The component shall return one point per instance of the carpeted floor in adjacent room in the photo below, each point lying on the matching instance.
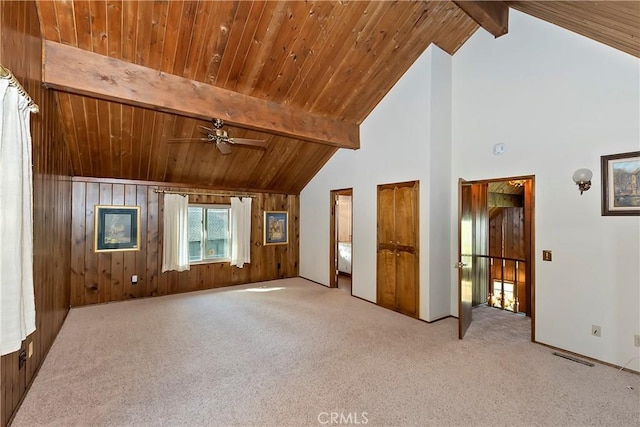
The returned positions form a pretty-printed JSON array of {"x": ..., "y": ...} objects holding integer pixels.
[{"x": 293, "y": 353}]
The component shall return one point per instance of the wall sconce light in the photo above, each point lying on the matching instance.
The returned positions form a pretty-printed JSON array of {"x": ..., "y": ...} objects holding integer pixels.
[{"x": 582, "y": 177}]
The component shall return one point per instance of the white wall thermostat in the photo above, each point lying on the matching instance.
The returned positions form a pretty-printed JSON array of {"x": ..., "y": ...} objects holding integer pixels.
[{"x": 498, "y": 149}]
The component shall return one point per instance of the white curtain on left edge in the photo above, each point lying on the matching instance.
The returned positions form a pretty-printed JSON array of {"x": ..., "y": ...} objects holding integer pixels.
[
  {"x": 175, "y": 242},
  {"x": 240, "y": 231},
  {"x": 17, "y": 307}
]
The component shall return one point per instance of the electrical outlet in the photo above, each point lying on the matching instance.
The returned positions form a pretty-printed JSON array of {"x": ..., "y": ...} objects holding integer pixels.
[
  {"x": 134, "y": 279},
  {"x": 636, "y": 340},
  {"x": 596, "y": 331}
]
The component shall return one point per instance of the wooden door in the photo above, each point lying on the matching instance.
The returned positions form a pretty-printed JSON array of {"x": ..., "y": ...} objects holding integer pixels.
[
  {"x": 406, "y": 282},
  {"x": 406, "y": 236},
  {"x": 333, "y": 238},
  {"x": 386, "y": 273},
  {"x": 386, "y": 216},
  {"x": 397, "y": 267},
  {"x": 386, "y": 262},
  {"x": 465, "y": 257},
  {"x": 480, "y": 224},
  {"x": 405, "y": 219},
  {"x": 529, "y": 251}
]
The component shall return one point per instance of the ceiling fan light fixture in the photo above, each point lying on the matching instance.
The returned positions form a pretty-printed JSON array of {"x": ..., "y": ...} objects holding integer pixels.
[
  {"x": 223, "y": 147},
  {"x": 223, "y": 142},
  {"x": 217, "y": 123}
]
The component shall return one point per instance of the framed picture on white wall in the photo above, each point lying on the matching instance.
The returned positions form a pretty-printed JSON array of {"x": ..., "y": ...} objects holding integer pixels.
[{"x": 621, "y": 184}]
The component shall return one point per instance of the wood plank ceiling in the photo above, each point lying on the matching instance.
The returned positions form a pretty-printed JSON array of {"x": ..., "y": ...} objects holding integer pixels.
[
  {"x": 614, "y": 23},
  {"x": 333, "y": 59}
]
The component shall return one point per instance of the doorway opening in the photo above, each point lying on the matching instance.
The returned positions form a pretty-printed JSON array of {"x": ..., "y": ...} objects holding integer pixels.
[
  {"x": 507, "y": 288},
  {"x": 341, "y": 252},
  {"x": 496, "y": 248}
]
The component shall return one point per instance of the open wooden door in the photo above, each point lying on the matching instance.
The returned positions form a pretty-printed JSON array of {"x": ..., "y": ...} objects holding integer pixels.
[
  {"x": 465, "y": 256},
  {"x": 333, "y": 241}
]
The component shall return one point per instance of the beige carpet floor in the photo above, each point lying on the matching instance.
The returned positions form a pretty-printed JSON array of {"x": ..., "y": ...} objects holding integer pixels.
[{"x": 293, "y": 353}]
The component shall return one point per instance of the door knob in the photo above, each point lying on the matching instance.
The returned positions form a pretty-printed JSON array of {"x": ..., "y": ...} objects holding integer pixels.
[{"x": 460, "y": 265}]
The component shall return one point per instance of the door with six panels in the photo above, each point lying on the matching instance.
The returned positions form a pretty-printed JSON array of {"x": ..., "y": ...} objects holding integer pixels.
[{"x": 397, "y": 266}]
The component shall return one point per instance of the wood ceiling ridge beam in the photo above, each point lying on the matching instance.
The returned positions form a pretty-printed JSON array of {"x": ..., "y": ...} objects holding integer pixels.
[
  {"x": 493, "y": 16},
  {"x": 78, "y": 71}
]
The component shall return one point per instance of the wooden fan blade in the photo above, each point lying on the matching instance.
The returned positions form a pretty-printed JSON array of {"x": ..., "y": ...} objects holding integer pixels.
[
  {"x": 224, "y": 148},
  {"x": 183, "y": 140},
  {"x": 250, "y": 143}
]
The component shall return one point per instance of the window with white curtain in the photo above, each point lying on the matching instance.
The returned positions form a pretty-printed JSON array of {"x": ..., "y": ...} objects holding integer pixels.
[{"x": 209, "y": 233}]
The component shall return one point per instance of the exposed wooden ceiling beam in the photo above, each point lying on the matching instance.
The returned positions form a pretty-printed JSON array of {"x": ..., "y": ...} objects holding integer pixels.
[
  {"x": 493, "y": 16},
  {"x": 78, "y": 71}
]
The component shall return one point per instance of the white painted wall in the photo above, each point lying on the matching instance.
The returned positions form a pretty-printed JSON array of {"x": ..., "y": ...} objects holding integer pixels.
[
  {"x": 558, "y": 101},
  {"x": 440, "y": 266},
  {"x": 396, "y": 144}
]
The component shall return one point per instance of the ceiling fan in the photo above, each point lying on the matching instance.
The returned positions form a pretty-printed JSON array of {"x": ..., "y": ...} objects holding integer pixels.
[{"x": 218, "y": 136}]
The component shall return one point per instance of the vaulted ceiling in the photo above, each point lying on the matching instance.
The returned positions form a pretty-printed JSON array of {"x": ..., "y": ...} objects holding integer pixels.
[{"x": 300, "y": 75}]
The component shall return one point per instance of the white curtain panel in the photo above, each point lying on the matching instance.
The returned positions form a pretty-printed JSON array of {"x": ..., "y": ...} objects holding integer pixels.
[
  {"x": 17, "y": 306},
  {"x": 240, "y": 231},
  {"x": 175, "y": 243}
]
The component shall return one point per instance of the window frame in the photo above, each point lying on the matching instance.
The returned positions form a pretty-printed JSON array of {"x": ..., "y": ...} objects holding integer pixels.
[{"x": 207, "y": 206}]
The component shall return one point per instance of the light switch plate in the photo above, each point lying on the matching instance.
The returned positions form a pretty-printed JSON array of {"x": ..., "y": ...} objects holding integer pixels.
[{"x": 546, "y": 255}]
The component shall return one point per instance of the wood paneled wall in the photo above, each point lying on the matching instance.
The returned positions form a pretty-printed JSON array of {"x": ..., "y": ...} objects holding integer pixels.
[
  {"x": 106, "y": 276},
  {"x": 507, "y": 228},
  {"x": 20, "y": 51},
  {"x": 507, "y": 239}
]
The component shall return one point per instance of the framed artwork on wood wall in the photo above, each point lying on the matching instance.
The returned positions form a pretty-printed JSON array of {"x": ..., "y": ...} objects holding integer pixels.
[
  {"x": 276, "y": 227},
  {"x": 621, "y": 184},
  {"x": 117, "y": 228}
]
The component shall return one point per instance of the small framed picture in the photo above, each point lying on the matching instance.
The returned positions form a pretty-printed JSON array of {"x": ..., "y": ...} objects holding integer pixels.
[
  {"x": 621, "y": 184},
  {"x": 276, "y": 227},
  {"x": 117, "y": 228}
]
